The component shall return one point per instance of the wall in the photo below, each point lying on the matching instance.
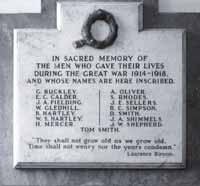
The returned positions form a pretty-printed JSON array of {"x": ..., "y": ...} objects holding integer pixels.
[{"x": 188, "y": 177}]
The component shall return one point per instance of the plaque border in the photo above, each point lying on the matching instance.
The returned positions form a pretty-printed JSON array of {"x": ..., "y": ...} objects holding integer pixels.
[{"x": 113, "y": 165}]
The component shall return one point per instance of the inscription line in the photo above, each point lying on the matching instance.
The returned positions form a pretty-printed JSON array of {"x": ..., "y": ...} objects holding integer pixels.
[{"x": 99, "y": 107}]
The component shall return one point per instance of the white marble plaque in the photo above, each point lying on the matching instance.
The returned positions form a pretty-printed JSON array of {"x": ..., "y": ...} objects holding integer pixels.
[
  {"x": 175, "y": 6},
  {"x": 118, "y": 107},
  {"x": 20, "y": 6}
]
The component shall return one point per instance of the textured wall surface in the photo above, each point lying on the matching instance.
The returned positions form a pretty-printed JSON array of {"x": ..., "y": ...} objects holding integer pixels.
[
  {"x": 179, "y": 6},
  {"x": 20, "y": 6},
  {"x": 188, "y": 177}
]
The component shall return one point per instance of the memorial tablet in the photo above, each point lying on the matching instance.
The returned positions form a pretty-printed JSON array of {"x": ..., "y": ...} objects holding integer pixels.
[
  {"x": 175, "y": 6},
  {"x": 20, "y": 6},
  {"x": 99, "y": 91}
]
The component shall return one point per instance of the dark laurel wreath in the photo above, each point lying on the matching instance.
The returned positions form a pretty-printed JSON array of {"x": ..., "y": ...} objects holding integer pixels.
[{"x": 88, "y": 38}]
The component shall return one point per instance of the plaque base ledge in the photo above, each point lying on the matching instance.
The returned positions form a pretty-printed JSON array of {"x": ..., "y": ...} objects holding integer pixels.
[{"x": 81, "y": 165}]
